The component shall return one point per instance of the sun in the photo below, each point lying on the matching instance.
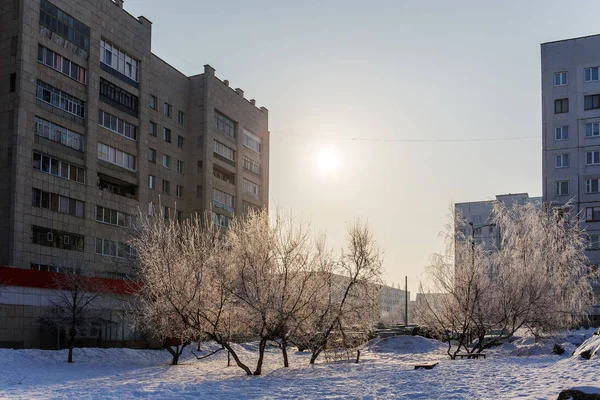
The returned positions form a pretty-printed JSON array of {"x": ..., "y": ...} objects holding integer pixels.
[{"x": 327, "y": 161}]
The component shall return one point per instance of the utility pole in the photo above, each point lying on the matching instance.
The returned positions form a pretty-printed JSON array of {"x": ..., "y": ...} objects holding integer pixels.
[{"x": 405, "y": 300}]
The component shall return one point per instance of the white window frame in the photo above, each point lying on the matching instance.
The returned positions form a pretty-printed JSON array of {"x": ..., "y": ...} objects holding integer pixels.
[
  {"x": 561, "y": 132},
  {"x": 593, "y": 131},
  {"x": 559, "y": 160},
  {"x": 223, "y": 198},
  {"x": 563, "y": 78},
  {"x": 252, "y": 142},
  {"x": 166, "y": 161},
  {"x": 151, "y": 182},
  {"x": 589, "y": 185},
  {"x": 588, "y": 74},
  {"x": 223, "y": 150},
  {"x": 119, "y": 60},
  {"x": 592, "y": 157},
  {"x": 558, "y": 188}
]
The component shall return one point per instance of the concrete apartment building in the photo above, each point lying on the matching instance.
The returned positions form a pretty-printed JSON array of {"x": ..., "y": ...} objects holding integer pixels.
[
  {"x": 94, "y": 128},
  {"x": 571, "y": 134},
  {"x": 477, "y": 215}
]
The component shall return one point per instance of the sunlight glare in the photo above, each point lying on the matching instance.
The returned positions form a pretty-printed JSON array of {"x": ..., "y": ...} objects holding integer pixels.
[{"x": 327, "y": 161}]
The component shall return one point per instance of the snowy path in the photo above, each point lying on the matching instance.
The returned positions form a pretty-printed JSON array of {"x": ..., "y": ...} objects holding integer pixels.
[{"x": 382, "y": 373}]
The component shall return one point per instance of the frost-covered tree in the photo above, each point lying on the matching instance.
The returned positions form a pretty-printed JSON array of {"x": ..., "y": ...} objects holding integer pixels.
[
  {"x": 478, "y": 294},
  {"x": 346, "y": 308}
]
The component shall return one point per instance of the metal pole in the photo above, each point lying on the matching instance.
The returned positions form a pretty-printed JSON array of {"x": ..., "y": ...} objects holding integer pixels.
[{"x": 405, "y": 300}]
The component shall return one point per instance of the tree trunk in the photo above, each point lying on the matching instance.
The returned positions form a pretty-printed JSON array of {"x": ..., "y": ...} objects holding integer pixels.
[
  {"x": 285, "y": 354},
  {"x": 314, "y": 355},
  {"x": 357, "y": 356},
  {"x": 70, "y": 345},
  {"x": 236, "y": 358},
  {"x": 261, "y": 356},
  {"x": 228, "y": 358}
]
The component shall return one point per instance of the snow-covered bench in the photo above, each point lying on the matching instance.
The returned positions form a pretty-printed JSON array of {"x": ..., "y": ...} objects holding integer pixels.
[{"x": 470, "y": 355}]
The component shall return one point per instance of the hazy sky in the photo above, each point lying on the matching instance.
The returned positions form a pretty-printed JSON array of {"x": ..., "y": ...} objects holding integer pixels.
[{"x": 348, "y": 69}]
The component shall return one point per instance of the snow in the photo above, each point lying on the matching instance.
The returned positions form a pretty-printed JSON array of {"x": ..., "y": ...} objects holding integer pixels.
[
  {"x": 592, "y": 345},
  {"x": 386, "y": 370}
]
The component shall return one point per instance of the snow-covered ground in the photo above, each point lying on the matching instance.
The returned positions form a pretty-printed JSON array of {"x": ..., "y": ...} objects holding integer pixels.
[{"x": 386, "y": 370}]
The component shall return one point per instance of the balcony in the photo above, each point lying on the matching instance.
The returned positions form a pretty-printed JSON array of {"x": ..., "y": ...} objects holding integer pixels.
[{"x": 118, "y": 187}]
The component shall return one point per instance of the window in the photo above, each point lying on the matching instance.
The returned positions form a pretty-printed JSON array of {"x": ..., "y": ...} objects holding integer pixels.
[
  {"x": 590, "y": 74},
  {"x": 592, "y": 102},
  {"x": 561, "y": 78},
  {"x": 221, "y": 221},
  {"x": 120, "y": 98},
  {"x": 561, "y": 160},
  {"x": 118, "y": 60},
  {"x": 180, "y": 166},
  {"x": 112, "y": 217},
  {"x": 561, "y": 106},
  {"x": 167, "y": 109},
  {"x": 199, "y": 166},
  {"x": 179, "y": 191},
  {"x": 117, "y": 157},
  {"x": 592, "y": 130},
  {"x": 166, "y": 187},
  {"x": 224, "y": 151},
  {"x": 181, "y": 117},
  {"x": 166, "y": 161},
  {"x": 153, "y": 102},
  {"x": 111, "y": 248},
  {"x": 477, "y": 219},
  {"x": 117, "y": 125},
  {"x": 180, "y": 142},
  {"x": 252, "y": 141},
  {"x": 54, "y": 238},
  {"x": 561, "y": 132},
  {"x": 198, "y": 191},
  {"x": 151, "y": 180},
  {"x": 592, "y": 157},
  {"x": 151, "y": 155},
  {"x": 592, "y": 214},
  {"x": 251, "y": 188},
  {"x": 13, "y": 82},
  {"x": 224, "y": 176},
  {"x": 180, "y": 216},
  {"x": 61, "y": 64},
  {"x": 64, "y": 25},
  {"x": 167, "y": 135},
  {"x": 591, "y": 185},
  {"x": 224, "y": 124},
  {"x": 57, "y": 98},
  {"x": 152, "y": 128},
  {"x": 57, "y": 203},
  {"x": 250, "y": 208},
  {"x": 164, "y": 212},
  {"x": 57, "y": 133},
  {"x": 58, "y": 168},
  {"x": 251, "y": 165},
  {"x": 223, "y": 198},
  {"x": 594, "y": 242},
  {"x": 150, "y": 209}
]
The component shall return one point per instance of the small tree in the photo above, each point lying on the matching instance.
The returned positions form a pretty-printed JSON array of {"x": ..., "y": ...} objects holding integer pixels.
[
  {"x": 346, "y": 308},
  {"x": 73, "y": 305}
]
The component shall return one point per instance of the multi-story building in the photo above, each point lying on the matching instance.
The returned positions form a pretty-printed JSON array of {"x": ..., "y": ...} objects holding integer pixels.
[
  {"x": 478, "y": 217},
  {"x": 392, "y": 301},
  {"x": 571, "y": 134},
  {"x": 95, "y": 128}
]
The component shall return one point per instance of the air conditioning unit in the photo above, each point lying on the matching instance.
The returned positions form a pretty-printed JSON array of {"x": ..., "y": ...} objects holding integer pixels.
[{"x": 66, "y": 240}]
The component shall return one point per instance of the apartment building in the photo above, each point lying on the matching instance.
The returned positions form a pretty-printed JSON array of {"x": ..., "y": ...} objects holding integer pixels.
[
  {"x": 478, "y": 216},
  {"x": 95, "y": 128},
  {"x": 571, "y": 134}
]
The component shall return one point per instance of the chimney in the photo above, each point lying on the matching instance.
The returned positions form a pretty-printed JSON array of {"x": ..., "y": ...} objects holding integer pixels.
[
  {"x": 119, "y": 3},
  {"x": 226, "y": 82},
  {"x": 253, "y": 102},
  {"x": 239, "y": 91}
]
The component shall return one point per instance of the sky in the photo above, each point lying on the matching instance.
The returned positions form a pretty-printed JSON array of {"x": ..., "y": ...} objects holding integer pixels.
[{"x": 333, "y": 73}]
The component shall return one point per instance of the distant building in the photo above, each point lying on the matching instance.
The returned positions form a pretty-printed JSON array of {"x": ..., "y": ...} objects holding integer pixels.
[
  {"x": 392, "y": 301},
  {"x": 95, "y": 127},
  {"x": 478, "y": 216}
]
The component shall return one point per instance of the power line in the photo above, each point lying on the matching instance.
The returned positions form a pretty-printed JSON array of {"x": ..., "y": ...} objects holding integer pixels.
[{"x": 364, "y": 139}]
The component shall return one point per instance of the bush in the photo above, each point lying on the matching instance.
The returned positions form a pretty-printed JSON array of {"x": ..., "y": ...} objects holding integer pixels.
[{"x": 558, "y": 349}]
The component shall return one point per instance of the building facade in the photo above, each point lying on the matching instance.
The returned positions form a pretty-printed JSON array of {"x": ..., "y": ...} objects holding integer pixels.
[
  {"x": 478, "y": 217},
  {"x": 94, "y": 129},
  {"x": 571, "y": 134}
]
